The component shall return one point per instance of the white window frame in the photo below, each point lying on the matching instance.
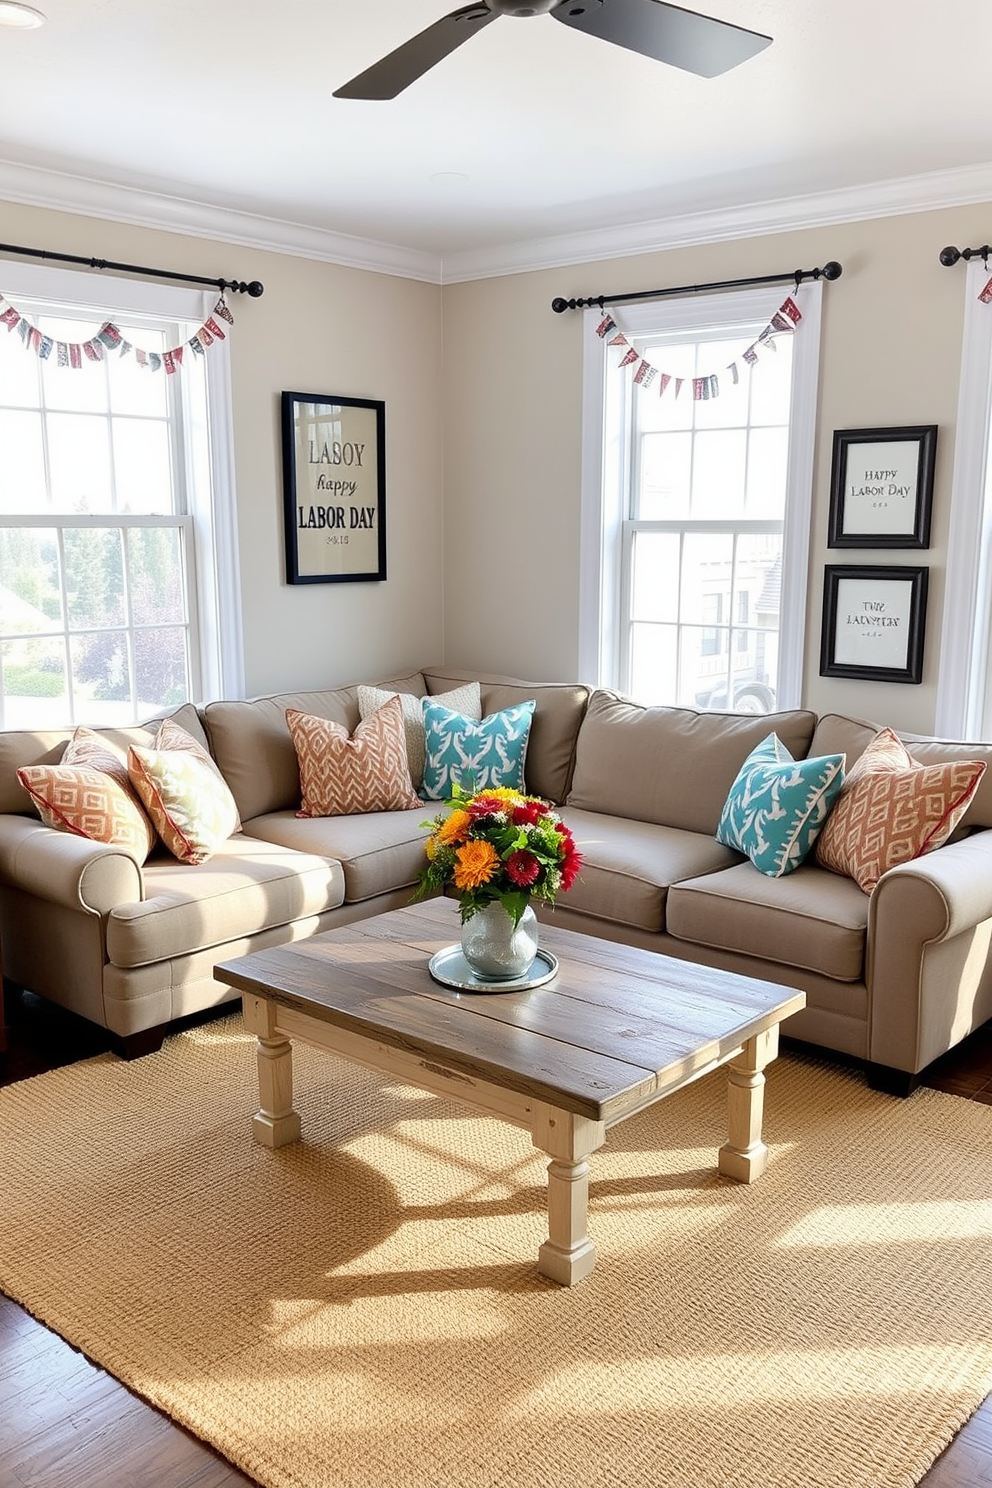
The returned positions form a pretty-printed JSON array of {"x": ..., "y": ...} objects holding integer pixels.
[
  {"x": 964, "y": 693},
  {"x": 216, "y": 615},
  {"x": 605, "y": 458}
]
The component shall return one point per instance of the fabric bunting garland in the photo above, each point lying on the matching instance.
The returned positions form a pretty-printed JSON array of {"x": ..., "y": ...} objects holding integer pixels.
[
  {"x": 786, "y": 318},
  {"x": 109, "y": 338}
]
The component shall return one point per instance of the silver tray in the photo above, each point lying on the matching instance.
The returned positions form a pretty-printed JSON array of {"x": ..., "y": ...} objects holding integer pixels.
[{"x": 450, "y": 968}]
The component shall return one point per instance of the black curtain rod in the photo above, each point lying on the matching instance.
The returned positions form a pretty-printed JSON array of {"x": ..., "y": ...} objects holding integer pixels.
[
  {"x": 830, "y": 270},
  {"x": 254, "y": 289},
  {"x": 950, "y": 256}
]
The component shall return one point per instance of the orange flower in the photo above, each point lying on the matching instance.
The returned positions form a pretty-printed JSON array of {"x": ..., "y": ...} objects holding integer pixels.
[
  {"x": 475, "y": 864},
  {"x": 455, "y": 828}
]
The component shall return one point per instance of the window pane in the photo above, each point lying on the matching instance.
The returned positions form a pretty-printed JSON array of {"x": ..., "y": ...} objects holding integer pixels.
[
  {"x": 94, "y": 577},
  {"x": 707, "y": 565},
  {"x": 656, "y": 576},
  {"x": 18, "y": 373},
  {"x": 30, "y": 591},
  {"x": 82, "y": 389},
  {"x": 36, "y": 694},
  {"x": 767, "y": 468},
  {"x": 161, "y": 668},
  {"x": 665, "y": 477},
  {"x": 653, "y": 662},
  {"x": 657, "y": 410},
  {"x": 155, "y": 575},
  {"x": 771, "y": 384},
  {"x": 730, "y": 408},
  {"x": 136, "y": 389},
  {"x": 79, "y": 462},
  {"x": 22, "y": 463},
  {"x": 718, "y": 474},
  {"x": 142, "y": 465},
  {"x": 100, "y": 668}
]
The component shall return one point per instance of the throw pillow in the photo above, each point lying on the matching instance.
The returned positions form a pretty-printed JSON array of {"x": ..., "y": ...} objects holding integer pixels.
[
  {"x": 342, "y": 774},
  {"x": 89, "y": 803},
  {"x": 184, "y": 793},
  {"x": 778, "y": 805},
  {"x": 892, "y": 809},
  {"x": 466, "y": 700},
  {"x": 92, "y": 751},
  {"x": 475, "y": 755}
]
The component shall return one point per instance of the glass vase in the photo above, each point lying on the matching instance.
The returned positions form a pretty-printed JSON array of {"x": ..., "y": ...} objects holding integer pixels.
[{"x": 495, "y": 948}]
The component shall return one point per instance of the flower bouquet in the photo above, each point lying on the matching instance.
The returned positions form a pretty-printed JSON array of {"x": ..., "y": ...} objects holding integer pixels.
[{"x": 499, "y": 846}]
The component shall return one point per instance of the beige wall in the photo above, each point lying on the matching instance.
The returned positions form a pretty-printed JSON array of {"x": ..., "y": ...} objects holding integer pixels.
[
  {"x": 890, "y": 355},
  {"x": 318, "y": 328}
]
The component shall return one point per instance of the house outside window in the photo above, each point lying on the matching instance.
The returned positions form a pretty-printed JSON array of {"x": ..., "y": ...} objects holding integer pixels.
[
  {"x": 118, "y": 569},
  {"x": 696, "y": 511}
]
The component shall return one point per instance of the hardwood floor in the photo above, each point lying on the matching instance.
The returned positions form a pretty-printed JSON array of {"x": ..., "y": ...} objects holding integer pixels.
[{"x": 64, "y": 1423}]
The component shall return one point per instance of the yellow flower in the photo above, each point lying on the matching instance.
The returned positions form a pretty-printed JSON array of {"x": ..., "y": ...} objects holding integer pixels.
[
  {"x": 455, "y": 829},
  {"x": 430, "y": 847},
  {"x": 504, "y": 793},
  {"x": 475, "y": 864}
]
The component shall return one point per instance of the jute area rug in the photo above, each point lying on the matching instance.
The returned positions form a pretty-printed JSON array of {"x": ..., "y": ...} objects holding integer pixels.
[{"x": 362, "y": 1309}]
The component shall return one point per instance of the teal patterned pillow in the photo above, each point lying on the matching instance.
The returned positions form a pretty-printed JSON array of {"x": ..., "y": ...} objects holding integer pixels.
[
  {"x": 777, "y": 805},
  {"x": 475, "y": 755}
]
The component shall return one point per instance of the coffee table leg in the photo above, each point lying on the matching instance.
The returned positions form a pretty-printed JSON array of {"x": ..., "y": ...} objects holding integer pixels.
[
  {"x": 568, "y": 1254},
  {"x": 275, "y": 1123},
  {"x": 744, "y": 1155}
]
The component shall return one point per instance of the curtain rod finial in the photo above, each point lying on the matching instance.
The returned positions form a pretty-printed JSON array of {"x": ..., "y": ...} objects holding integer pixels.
[
  {"x": 559, "y": 305},
  {"x": 949, "y": 256},
  {"x": 832, "y": 270}
]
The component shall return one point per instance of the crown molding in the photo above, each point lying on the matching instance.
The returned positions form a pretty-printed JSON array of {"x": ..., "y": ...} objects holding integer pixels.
[
  {"x": 963, "y": 186},
  {"x": 34, "y": 187}
]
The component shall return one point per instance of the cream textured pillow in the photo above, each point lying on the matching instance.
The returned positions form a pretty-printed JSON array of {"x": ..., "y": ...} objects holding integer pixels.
[
  {"x": 184, "y": 793},
  {"x": 89, "y": 803},
  {"x": 342, "y": 774},
  {"x": 466, "y": 700},
  {"x": 892, "y": 809}
]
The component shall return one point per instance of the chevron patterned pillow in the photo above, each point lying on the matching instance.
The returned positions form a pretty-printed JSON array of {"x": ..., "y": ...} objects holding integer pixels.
[
  {"x": 342, "y": 774},
  {"x": 892, "y": 809}
]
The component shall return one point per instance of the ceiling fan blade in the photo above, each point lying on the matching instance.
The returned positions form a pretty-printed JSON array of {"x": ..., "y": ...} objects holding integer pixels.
[
  {"x": 696, "y": 43},
  {"x": 386, "y": 78}
]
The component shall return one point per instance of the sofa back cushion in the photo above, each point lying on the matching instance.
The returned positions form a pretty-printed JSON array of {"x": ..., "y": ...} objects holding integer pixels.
[
  {"x": 558, "y": 712},
  {"x": 252, "y": 745},
  {"x": 671, "y": 766},
  {"x": 47, "y": 746},
  {"x": 836, "y": 731}
]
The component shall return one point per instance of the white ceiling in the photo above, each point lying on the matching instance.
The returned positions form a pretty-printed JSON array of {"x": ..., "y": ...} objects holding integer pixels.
[{"x": 529, "y": 131}]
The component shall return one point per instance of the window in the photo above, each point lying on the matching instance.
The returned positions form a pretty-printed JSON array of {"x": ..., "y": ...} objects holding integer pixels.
[
  {"x": 696, "y": 511},
  {"x": 118, "y": 587}
]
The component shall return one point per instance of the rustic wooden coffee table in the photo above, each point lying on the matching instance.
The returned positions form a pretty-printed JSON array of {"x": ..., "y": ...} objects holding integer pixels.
[{"x": 616, "y": 1030}]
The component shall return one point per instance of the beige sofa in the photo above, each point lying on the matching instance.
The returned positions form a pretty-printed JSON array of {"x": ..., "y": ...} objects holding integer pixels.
[{"x": 894, "y": 978}]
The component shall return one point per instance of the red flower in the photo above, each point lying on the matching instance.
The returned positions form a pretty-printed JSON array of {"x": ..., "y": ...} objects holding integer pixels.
[
  {"x": 486, "y": 806},
  {"x": 522, "y": 868},
  {"x": 571, "y": 859},
  {"x": 528, "y": 813}
]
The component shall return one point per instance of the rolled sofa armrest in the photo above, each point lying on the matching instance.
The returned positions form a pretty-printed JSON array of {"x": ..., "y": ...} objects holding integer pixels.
[
  {"x": 65, "y": 869},
  {"x": 929, "y": 953}
]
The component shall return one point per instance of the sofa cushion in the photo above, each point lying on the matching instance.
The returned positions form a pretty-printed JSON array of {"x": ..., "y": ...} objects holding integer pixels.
[
  {"x": 251, "y": 742},
  {"x": 379, "y": 852},
  {"x": 465, "y": 700},
  {"x": 559, "y": 710},
  {"x": 892, "y": 810},
  {"x": 475, "y": 755},
  {"x": 246, "y": 886},
  {"x": 778, "y": 805},
  {"x": 89, "y": 803},
  {"x": 184, "y": 793},
  {"x": 811, "y": 919},
  {"x": 673, "y": 766},
  {"x": 629, "y": 866},
  {"x": 343, "y": 774}
]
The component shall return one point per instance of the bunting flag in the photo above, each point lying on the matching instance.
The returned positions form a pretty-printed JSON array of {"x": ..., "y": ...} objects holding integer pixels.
[
  {"x": 110, "y": 338},
  {"x": 985, "y": 296},
  {"x": 785, "y": 320}
]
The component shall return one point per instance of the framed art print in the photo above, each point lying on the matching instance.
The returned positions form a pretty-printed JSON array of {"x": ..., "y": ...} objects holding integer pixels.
[
  {"x": 334, "y": 488},
  {"x": 874, "y": 622},
  {"x": 881, "y": 487}
]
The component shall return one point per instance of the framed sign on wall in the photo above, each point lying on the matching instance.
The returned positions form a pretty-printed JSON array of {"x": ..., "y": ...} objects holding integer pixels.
[
  {"x": 874, "y": 622},
  {"x": 334, "y": 488},
  {"x": 881, "y": 487}
]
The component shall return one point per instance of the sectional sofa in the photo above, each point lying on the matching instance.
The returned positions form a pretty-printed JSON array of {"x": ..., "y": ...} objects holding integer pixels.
[{"x": 893, "y": 977}]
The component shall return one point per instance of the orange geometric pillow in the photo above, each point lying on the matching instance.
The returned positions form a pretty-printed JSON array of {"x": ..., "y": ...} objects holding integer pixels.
[
  {"x": 342, "y": 774},
  {"x": 89, "y": 803},
  {"x": 892, "y": 809}
]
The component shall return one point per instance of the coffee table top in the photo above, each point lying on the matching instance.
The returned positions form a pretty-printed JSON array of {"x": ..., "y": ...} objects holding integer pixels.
[{"x": 616, "y": 1029}]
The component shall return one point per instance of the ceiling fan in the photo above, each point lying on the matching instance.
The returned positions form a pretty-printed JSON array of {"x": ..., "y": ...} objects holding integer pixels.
[{"x": 683, "y": 38}]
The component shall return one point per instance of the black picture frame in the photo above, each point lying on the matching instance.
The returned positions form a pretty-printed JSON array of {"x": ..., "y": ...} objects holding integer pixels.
[
  {"x": 334, "y": 488},
  {"x": 874, "y": 622},
  {"x": 881, "y": 487}
]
